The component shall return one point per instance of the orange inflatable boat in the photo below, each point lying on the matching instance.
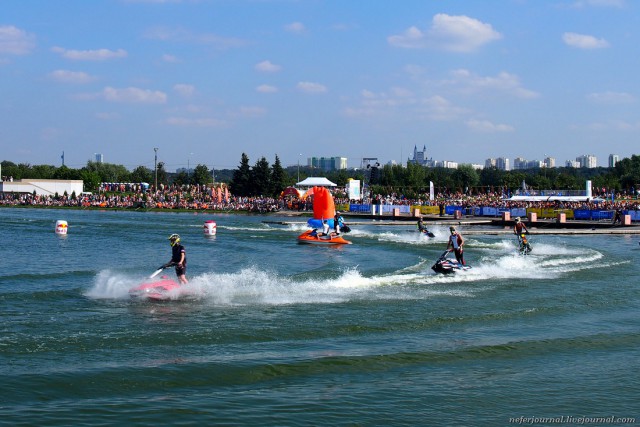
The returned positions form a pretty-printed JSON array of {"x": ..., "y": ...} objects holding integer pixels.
[
  {"x": 314, "y": 237},
  {"x": 323, "y": 212}
]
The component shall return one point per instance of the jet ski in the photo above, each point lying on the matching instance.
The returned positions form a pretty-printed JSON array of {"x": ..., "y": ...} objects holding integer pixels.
[
  {"x": 524, "y": 247},
  {"x": 158, "y": 290},
  {"x": 446, "y": 265},
  {"x": 524, "y": 250},
  {"x": 427, "y": 233},
  {"x": 313, "y": 237}
]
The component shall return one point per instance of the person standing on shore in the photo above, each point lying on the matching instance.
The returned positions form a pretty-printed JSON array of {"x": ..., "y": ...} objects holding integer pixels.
[{"x": 178, "y": 258}]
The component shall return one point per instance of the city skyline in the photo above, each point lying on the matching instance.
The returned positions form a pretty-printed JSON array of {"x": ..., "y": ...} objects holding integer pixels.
[{"x": 204, "y": 81}]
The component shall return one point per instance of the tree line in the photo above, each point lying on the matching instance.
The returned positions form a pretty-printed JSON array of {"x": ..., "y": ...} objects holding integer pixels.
[{"x": 412, "y": 180}]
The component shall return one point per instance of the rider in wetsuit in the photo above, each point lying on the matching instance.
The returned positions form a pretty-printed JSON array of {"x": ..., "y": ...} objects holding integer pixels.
[
  {"x": 178, "y": 258},
  {"x": 455, "y": 243}
]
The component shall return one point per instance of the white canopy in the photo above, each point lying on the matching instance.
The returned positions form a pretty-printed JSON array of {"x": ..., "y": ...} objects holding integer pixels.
[{"x": 316, "y": 182}]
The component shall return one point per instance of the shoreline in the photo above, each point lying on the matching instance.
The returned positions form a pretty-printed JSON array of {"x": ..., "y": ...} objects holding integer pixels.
[{"x": 493, "y": 226}]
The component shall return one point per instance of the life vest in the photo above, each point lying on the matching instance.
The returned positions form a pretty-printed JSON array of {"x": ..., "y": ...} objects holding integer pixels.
[{"x": 455, "y": 241}]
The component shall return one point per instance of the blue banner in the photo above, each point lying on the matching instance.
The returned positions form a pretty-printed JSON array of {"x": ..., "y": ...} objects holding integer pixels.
[{"x": 360, "y": 208}]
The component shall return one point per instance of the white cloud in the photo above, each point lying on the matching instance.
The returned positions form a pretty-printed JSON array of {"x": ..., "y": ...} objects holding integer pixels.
[
  {"x": 611, "y": 98},
  {"x": 367, "y": 94},
  {"x": 504, "y": 82},
  {"x": 199, "y": 122},
  {"x": 401, "y": 92},
  {"x": 451, "y": 33},
  {"x": 170, "y": 58},
  {"x": 184, "y": 89},
  {"x": 487, "y": 126},
  {"x": 107, "y": 116},
  {"x": 180, "y": 35},
  {"x": 438, "y": 108},
  {"x": 134, "y": 95},
  {"x": 402, "y": 101},
  {"x": 295, "y": 27},
  {"x": 267, "y": 67},
  {"x": 66, "y": 76},
  {"x": 310, "y": 87},
  {"x": 251, "y": 111},
  {"x": 14, "y": 41},
  {"x": 411, "y": 38},
  {"x": 601, "y": 3},
  {"x": 266, "y": 89},
  {"x": 612, "y": 125},
  {"x": 582, "y": 41},
  {"x": 90, "y": 55}
]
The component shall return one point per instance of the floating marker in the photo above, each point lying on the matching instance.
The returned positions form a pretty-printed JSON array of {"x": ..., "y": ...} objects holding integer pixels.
[
  {"x": 61, "y": 227},
  {"x": 210, "y": 228}
]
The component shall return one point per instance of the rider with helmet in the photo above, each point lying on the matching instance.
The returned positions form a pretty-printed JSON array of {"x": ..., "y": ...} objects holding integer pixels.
[
  {"x": 519, "y": 227},
  {"x": 337, "y": 223},
  {"x": 455, "y": 243},
  {"x": 178, "y": 258},
  {"x": 421, "y": 226}
]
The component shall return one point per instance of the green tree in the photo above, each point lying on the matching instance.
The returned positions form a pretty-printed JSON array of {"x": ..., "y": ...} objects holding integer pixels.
[
  {"x": 109, "y": 172},
  {"x": 201, "y": 175},
  {"x": 142, "y": 174},
  {"x": 415, "y": 176},
  {"x": 240, "y": 184},
  {"x": 181, "y": 178},
  {"x": 43, "y": 172},
  {"x": 466, "y": 177},
  {"x": 91, "y": 180},
  {"x": 392, "y": 176},
  {"x": 491, "y": 177},
  {"x": 64, "y": 172},
  {"x": 261, "y": 179},
  {"x": 441, "y": 178},
  {"x": 20, "y": 171},
  {"x": 279, "y": 177},
  {"x": 513, "y": 180},
  {"x": 566, "y": 181},
  {"x": 9, "y": 169},
  {"x": 339, "y": 177},
  {"x": 628, "y": 172}
]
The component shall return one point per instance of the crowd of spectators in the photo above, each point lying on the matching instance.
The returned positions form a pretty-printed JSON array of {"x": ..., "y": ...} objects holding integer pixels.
[{"x": 194, "y": 197}]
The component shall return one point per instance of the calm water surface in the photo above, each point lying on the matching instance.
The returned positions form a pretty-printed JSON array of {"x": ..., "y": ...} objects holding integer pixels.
[{"x": 273, "y": 333}]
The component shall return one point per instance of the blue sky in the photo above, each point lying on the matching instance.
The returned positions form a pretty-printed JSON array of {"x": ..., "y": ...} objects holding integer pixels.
[{"x": 206, "y": 80}]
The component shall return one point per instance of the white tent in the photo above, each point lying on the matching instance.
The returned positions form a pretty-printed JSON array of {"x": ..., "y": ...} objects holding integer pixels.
[{"x": 316, "y": 182}]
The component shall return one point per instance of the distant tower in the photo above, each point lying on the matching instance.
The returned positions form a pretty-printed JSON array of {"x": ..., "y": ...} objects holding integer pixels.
[
  {"x": 99, "y": 158},
  {"x": 62, "y": 157},
  {"x": 550, "y": 162},
  {"x": 587, "y": 161},
  {"x": 613, "y": 159}
]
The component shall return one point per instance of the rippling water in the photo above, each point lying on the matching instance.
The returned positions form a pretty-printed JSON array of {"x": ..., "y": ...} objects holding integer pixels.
[{"x": 270, "y": 332}]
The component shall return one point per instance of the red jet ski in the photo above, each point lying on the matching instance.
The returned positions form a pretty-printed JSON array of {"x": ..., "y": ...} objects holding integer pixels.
[
  {"x": 313, "y": 237},
  {"x": 159, "y": 290},
  {"x": 156, "y": 290}
]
